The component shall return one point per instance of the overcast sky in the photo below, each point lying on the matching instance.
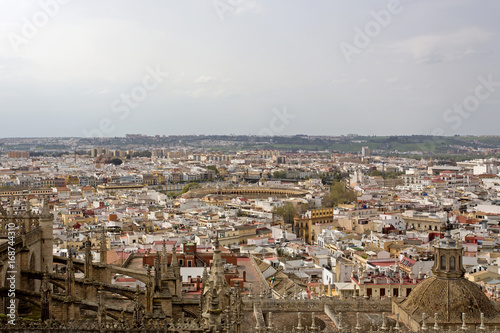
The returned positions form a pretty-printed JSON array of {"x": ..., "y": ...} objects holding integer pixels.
[{"x": 91, "y": 68}]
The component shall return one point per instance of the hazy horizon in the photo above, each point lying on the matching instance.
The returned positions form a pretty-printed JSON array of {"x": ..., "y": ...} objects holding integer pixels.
[{"x": 249, "y": 67}]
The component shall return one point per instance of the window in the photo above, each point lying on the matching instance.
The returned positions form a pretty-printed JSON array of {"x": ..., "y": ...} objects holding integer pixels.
[
  {"x": 443, "y": 263},
  {"x": 452, "y": 263}
]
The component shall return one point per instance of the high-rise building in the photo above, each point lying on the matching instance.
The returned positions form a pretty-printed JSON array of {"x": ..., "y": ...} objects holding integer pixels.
[
  {"x": 18, "y": 154},
  {"x": 365, "y": 151}
]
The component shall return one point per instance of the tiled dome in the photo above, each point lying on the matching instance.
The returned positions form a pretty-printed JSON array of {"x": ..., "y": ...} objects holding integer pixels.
[{"x": 449, "y": 298}]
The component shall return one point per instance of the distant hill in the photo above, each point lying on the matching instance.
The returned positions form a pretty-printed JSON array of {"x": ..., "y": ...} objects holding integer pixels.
[{"x": 379, "y": 145}]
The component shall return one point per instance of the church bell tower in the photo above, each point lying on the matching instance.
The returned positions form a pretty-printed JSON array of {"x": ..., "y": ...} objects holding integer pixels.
[{"x": 448, "y": 257}]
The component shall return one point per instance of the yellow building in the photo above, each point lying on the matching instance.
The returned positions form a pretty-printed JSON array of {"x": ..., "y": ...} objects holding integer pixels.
[
  {"x": 304, "y": 223},
  {"x": 159, "y": 176},
  {"x": 356, "y": 224},
  {"x": 396, "y": 248},
  {"x": 208, "y": 218},
  {"x": 48, "y": 182},
  {"x": 484, "y": 277},
  {"x": 245, "y": 232},
  {"x": 228, "y": 237},
  {"x": 70, "y": 220},
  {"x": 423, "y": 223},
  {"x": 71, "y": 180},
  {"x": 149, "y": 180}
]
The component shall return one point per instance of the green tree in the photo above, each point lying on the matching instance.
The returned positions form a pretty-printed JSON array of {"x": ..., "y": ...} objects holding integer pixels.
[
  {"x": 337, "y": 176},
  {"x": 287, "y": 212},
  {"x": 375, "y": 173},
  {"x": 339, "y": 194},
  {"x": 214, "y": 168},
  {"x": 393, "y": 175},
  {"x": 188, "y": 187},
  {"x": 325, "y": 177},
  {"x": 388, "y": 175},
  {"x": 116, "y": 161},
  {"x": 279, "y": 174},
  {"x": 302, "y": 208},
  {"x": 144, "y": 153}
]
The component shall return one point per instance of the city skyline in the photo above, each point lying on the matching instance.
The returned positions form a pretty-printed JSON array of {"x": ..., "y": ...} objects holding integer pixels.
[{"x": 248, "y": 67}]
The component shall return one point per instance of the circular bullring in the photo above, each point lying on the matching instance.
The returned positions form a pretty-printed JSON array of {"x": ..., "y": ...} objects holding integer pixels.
[{"x": 247, "y": 192}]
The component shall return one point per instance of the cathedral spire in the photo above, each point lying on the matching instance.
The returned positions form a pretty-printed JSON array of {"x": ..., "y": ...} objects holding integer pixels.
[
  {"x": 340, "y": 325},
  {"x": 384, "y": 322},
  {"x": 314, "y": 328},
  {"x": 88, "y": 260},
  {"x": 28, "y": 207},
  {"x": 214, "y": 310},
  {"x": 70, "y": 277},
  {"x": 138, "y": 311},
  {"x": 217, "y": 270},
  {"x": 270, "y": 321},
  {"x": 216, "y": 242},
  {"x": 45, "y": 295},
  {"x": 149, "y": 291},
  {"x": 174, "y": 262},
  {"x": 299, "y": 327},
  {"x": 204, "y": 277},
  {"x": 157, "y": 275},
  {"x": 164, "y": 261},
  {"x": 358, "y": 324},
  {"x": 45, "y": 209},
  {"x": 101, "y": 311},
  {"x": 103, "y": 255}
]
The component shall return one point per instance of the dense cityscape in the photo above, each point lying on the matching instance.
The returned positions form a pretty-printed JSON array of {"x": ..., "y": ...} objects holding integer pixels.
[
  {"x": 222, "y": 239},
  {"x": 249, "y": 166}
]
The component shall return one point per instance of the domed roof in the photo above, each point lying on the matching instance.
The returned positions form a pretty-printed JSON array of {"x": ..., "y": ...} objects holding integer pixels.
[{"x": 449, "y": 298}]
